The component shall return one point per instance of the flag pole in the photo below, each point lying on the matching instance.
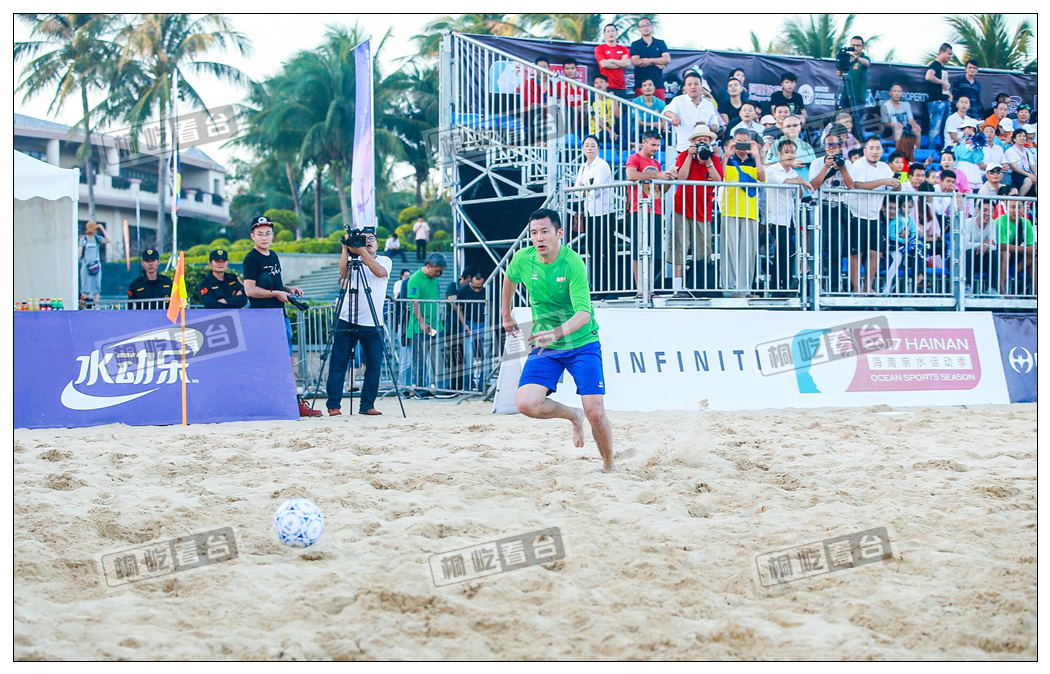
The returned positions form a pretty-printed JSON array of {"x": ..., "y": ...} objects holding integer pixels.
[{"x": 182, "y": 265}]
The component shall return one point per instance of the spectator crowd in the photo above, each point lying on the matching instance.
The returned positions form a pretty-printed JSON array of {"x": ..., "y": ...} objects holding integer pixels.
[{"x": 964, "y": 143}]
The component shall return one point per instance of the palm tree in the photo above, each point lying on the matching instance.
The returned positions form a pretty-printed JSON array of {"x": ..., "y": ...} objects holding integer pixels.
[
  {"x": 986, "y": 39},
  {"x": 274, "y": 134},
  {"x": 755, "y": 47},
  {"x": 578, "y": 27},
  {"x": 324, "y": 105},
  {"x": 158, "y": 48},
  {"x": 820, "y": 37},
  {"x": 77, "y": 63},
  {"x": 414, "y": 116},
  {"x": 477, "y": 24}
]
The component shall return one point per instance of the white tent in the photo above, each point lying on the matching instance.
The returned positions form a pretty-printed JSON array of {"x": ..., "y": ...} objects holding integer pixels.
[{"x": 46, "y": 229}]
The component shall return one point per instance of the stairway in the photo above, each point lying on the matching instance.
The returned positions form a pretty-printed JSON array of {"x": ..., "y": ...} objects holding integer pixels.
[{"x": 323, "y": 284}]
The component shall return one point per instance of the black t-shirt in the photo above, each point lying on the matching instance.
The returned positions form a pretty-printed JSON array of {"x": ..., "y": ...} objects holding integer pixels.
[
  {"x": 265, "y": 270},
  {"x": 726, "y": 107},
  {"x": 472, "y": 312},
  {"x": 648, "y": 51},
  {"x": 795, "y": 102},
  {"x": 933, "y": 90}
]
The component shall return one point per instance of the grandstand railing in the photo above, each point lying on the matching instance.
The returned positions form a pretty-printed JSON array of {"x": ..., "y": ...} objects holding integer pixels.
[
  {"x": 717, "y": 236},
  {"x": 516, "y": 114}
]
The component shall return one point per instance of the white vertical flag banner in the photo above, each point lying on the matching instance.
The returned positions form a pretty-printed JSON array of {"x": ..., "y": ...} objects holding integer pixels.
[
  {"x": 175, "y": 186},
  {"x": 363, "y": 180}
]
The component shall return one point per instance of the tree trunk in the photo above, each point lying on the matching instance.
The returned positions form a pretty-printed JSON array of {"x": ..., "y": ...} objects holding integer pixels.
[
  {"x": 295, "y": 197},
  {"x": 162, "y": 187},
  {"x": 419, "y": 188},
  {"x": 87, "y": 161},
  {"x": 340, "y": 186},
  {"x": 318, "y": 211}
]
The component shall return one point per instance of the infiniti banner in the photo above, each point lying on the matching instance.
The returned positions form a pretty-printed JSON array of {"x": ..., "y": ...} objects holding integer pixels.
[
  {"x": 1017, "y": 346},
  {"x": 88, "y": 368}
]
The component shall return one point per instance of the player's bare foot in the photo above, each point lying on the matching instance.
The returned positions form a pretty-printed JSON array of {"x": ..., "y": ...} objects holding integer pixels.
[
  {"x": 608, "y": 467},
  {"x": 577, "y": 427}
]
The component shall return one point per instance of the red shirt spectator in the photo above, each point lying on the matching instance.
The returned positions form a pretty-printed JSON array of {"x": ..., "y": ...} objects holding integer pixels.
[
  {"x": 687, "y": 198},
  {"x": 535, "y": 91},
  {"x": 643, "y": 165},
  {"x": 615, "y": 52}
]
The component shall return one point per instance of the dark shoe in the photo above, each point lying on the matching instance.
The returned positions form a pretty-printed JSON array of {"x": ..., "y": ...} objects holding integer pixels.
[
  {"x": 305, "y": 411},
  {"x": 373, "y": 412},
  {"x": 335, "y": 413}
]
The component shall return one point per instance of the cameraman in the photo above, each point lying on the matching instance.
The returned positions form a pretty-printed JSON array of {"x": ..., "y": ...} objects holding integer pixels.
[
  {"x": 832, "y": 171},
  {"x": 265, "y": 288},
  {"x": 852, "y": 64},
  {"x": 693, "y": 207},
  {"x": 360, "y": 327}
]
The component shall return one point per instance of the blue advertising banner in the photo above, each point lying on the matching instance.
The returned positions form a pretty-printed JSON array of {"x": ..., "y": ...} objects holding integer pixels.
[
  {"x": 88, "y": 368},
  {"x": 1018, "y": 348}
]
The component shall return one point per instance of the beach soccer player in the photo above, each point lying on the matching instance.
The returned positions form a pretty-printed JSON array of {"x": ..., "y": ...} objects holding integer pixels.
[{"x": 564, "y": 336}]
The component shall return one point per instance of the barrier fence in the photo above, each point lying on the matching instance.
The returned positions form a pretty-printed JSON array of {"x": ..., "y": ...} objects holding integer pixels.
[
  {"x": 685, "y": 239},
  {"x": 460, "y": 359}
]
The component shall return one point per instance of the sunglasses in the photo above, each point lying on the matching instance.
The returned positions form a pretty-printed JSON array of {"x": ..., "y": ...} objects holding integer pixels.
[
  {"x": 995, "y": 171},
  {"x": 832, "y": 144}
]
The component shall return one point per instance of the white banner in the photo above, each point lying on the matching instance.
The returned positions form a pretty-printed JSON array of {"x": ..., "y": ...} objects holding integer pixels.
[{"x": 752, "y": 359}]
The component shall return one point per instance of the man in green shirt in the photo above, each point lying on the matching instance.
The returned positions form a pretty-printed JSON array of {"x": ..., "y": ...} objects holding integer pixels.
[
  {"x": 1017, "y": 246},
  {"x": 426, "y": 322},
  {"x": 564, "y": 336}
]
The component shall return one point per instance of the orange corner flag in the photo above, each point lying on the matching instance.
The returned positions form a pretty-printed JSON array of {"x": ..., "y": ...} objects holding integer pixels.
[{"x": 179, "y": 298}]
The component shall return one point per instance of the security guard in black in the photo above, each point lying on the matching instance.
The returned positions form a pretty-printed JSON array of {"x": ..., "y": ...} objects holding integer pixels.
[
  {"x": 151, "y": 285},
  {"x": 221, "y": 289}
]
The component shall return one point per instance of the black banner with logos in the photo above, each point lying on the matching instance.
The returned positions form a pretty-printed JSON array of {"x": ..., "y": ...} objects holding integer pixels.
[{"x": 818, "y": 82}]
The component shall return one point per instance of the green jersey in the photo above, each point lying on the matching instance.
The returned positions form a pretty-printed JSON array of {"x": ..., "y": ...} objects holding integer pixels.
[
  {"x": 556, "y": 292},
  {"x": 1013, "y": 232},
  {"x": 422, "y": 287}
]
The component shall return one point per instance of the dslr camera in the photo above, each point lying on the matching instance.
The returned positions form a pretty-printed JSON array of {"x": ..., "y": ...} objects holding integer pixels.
[
  {"x": 703, "y": 151},
  {"x": 839, "y": 160}
]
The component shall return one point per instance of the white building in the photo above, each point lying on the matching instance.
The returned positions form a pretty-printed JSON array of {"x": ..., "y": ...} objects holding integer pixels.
[{"x": 117, "y": 187}]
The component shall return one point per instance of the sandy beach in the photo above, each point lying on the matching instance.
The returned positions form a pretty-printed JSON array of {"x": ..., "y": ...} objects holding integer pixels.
[{"x": 659, "y": 555}]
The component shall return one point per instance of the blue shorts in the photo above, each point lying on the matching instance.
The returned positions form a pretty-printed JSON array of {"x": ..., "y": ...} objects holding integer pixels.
[
  {"x": 288, "y": 331},
  {"x": 584, "y": 363}
]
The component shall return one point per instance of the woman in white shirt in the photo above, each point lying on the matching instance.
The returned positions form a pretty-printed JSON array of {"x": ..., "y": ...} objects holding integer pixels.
[
  {"x": 1023, "y": 163},
  {"x": 595, "y": 217}
]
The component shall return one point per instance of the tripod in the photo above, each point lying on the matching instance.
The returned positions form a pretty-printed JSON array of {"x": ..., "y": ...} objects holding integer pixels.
[{"x": 355, "y": 273}]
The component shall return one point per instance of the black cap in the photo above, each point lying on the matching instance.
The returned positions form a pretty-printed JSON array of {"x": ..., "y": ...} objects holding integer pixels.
[
  {"x": 218, "y": 254},
  {"x": 150, "y": 254},
  {"x": 261, "y": 221}
]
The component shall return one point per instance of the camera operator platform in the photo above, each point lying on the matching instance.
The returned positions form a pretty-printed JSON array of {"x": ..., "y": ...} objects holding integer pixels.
[{"x": 358, "y": 320}]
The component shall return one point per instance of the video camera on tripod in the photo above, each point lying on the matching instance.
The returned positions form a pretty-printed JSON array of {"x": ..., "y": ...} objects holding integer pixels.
[
  {"x": 844, "y": 58},
  {"x": 356, "y": 237}
]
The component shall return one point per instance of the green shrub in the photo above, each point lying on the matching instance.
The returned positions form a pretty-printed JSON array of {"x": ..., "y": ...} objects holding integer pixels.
[
  {"x": 381, "y": 234},
  {"x": 242, "y": 244},
  {"x": 198, "y": 250},
  {"x": 284, "y": 235},
  {"x": 283, "y": 220},
  {"x": 410, "y": 214},
  {"x": 220, "y": 243}
]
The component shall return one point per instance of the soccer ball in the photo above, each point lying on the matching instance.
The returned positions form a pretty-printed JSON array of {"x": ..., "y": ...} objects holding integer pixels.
[{"x": 298, "y": 522}]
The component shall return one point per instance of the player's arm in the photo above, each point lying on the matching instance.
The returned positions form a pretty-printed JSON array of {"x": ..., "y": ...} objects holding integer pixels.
[{"x": 509, "y": 288}]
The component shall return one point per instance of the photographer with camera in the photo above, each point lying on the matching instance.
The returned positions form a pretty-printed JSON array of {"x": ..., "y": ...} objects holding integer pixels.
[
  {"x": 851, "y": 64},
  {"x": 832, "y": 171},
  {"x": 265, "y": 288},
  {"x": 693, "y": 208},
  {"x": 359, "y": 326}
]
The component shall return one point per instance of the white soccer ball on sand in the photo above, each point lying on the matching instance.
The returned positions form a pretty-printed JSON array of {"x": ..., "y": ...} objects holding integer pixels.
[{"x": 298, "y": 522}]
